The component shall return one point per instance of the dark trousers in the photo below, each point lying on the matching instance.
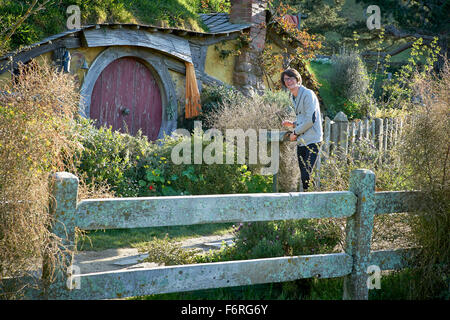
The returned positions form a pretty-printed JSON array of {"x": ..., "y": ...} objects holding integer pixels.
[{"x": 307, "y": 157}]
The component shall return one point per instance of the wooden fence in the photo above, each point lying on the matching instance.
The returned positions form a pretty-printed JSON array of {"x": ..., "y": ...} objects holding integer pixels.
[
  {"x": 359, "y": 205},
  {"x": 340, "y": 134}
]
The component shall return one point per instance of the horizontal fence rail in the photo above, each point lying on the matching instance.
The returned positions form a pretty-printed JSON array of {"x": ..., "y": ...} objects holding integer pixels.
[
  {"x": 117, "y": 284},
  {"x": 187, "y": 210},
  {"x": 396, "y": 201},
  {"x": 170, "y": 279},
  {"x": 359, "y": 205}
]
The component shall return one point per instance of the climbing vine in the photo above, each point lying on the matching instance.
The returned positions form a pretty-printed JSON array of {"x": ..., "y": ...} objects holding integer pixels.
[
  {"x": 242, "y": 42},
  {"x": 298, "y": 45},
  {"x": 293, "y": 49}
]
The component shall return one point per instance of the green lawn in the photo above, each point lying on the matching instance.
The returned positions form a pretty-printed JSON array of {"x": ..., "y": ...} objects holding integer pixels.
[
  {"x": 98, "y": 240},
  {"x": 321, "y": 72}
]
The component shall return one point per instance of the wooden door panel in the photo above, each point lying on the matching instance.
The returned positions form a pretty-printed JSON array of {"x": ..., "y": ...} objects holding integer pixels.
[
  {"x": 124, "y": 98},
  {"x": 127, "y": 85},
  {"x": 148, "y": 102}
]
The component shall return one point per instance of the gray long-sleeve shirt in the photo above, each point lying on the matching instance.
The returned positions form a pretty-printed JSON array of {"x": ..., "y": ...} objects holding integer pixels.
[{"x": 308, "y": 125}]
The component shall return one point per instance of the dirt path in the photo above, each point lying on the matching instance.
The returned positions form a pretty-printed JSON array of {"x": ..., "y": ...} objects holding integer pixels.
[{"x": 128, "y": 258}]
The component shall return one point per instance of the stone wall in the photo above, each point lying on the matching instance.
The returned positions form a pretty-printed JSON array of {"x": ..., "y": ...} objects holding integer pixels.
[{"x": 248, "y": 75}]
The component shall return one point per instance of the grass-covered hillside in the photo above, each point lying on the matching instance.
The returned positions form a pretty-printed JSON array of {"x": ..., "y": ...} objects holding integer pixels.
[{"x": 52, "y": 18}]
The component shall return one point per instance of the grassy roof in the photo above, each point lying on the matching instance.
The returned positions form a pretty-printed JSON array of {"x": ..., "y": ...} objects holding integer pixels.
[{"x": 52, "y": 19}]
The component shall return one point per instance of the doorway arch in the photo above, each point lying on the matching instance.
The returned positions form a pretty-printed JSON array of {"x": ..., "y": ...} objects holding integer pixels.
[{"x": 157, "y": 68}]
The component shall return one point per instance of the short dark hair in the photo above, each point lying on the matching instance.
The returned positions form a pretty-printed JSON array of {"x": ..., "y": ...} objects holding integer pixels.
[{"x": 290, "y": 73}]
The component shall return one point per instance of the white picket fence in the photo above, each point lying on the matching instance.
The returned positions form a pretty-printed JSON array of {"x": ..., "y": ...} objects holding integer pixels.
[
  {"x": 340, "y": 133},
  {"x": 341, "y": 136}
]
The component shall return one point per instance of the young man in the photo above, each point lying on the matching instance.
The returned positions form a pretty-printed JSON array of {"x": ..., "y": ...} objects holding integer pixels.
[{"x": 308, "y": 125}]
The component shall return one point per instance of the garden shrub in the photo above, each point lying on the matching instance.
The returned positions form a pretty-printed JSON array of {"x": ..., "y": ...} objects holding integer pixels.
[
  {"x": 167, "y": 252},
  {"x": 256, "y": 240},
  {"x": 108, "y": 157},
  {"x": 158, "y": 175},
  {"x": 279, "y": 97},
  {"x": 398, "y": 92},
  {"x": 213, "y": 96},
  {"x": 130, "y": 166},
  {"x": 351, "y": 83}
]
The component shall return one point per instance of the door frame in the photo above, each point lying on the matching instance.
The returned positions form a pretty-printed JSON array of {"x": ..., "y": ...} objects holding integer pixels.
[{"x": 157, "y": 66}]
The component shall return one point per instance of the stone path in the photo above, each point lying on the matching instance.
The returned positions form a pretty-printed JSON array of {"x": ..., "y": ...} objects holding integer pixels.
[{"x": 129, "y": 258}]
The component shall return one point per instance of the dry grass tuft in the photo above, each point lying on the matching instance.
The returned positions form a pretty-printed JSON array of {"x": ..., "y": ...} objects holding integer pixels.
[
  {"x": 426, "y": 151},
  {"x": 258, "y": 112},
  {"x": 35, "y": 112}
]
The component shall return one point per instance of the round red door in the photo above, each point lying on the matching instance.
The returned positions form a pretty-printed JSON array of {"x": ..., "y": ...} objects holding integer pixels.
[{"x": 127, "y": 97}]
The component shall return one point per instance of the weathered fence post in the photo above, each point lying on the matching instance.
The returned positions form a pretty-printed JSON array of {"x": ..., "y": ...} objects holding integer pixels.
[
  {"x": 372, "y": 131},
  {"x": 395, "y": 134},
  {"x": 334, "y": 137},
  {"x": 63, "y": 207},
  {"x": 379, "y": 134},
  {"x": 392, "y": 135},
  {"x": 342, "y": 133},
  {"x": 352, "y": 129},
  {"x": 400, "y": 128},
  {"x": 359, "y": 130},
  {"x": 326, "y": 136},
  {"x": 386, "y": 128},
  {"x": 359, "y": 234},
  {"x": 389, "y": 134},
  {"x": 366, "y": 128}
]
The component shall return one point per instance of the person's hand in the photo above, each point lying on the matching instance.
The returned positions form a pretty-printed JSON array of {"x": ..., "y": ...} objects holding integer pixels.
[
  {"x": 292, "y": 137},
  {"x": 287, "y": 123}
]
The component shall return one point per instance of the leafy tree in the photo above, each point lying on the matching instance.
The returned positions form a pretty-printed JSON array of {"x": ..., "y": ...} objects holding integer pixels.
[{"x": 12, "y": 21}]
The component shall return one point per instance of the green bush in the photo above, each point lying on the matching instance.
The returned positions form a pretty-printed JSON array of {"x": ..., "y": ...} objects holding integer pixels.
[
  {"x": 132, "y": 166},
  {"x": 399, "y": 91},
  {"x": 255, "y": 240},
  {"x": 352, "y": 109},
  {"x": 289, "y": 237},
  {"x": 213, "y": 97},
  {"x": 108, "y": 156},
  {"x": 158, "y": 175},
  {"x": 352, "y": 84},
  {"x": 167, "y": 252},
  {"x": 281, "y": 98}
]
